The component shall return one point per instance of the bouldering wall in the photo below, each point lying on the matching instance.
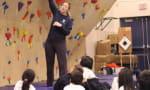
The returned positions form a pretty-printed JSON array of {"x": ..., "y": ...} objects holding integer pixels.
[
  {"x": 24, "y": 26},
  {"x": 86, "y": 15}
]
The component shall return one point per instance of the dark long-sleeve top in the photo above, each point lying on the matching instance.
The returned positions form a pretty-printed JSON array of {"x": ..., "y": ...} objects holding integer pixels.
[
  {"x": 62, "y": 82},
  {"x": 59, "y": 33},
  {"x": 95, "y": 84},
  {"x": 91, "y": 84}
]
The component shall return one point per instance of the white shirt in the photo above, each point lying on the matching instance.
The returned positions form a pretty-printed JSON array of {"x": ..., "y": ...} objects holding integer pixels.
[
  {"x": 72, "y": 86},
  {"x": 88, "y": 73},
  {"x": 115, "y": 85},
  {"x": 19, "y": 84}
]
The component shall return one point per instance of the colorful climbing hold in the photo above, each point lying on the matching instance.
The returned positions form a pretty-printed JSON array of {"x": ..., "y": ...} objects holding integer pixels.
[
  {"x": 18, "y": 32},
  {"x": 29, "y": 3},
  {"x": 19, "y": 54},
  {"x": 25, "y": 33},
  {"x": 71, "y": 53},
  {"x": 14, "y": 44},
  {"x": 20, "y": 5},
  {"x": 68, "y": 52},
  {"x": 8, "y": 36},
  {"x": 9, "y": 62},
  {"x": 85, "y": 3},
  {"x": 97, "y": 6},
  {"x": 37, "y": 60},
  {"x": 43, "y": 44},
  {"x": 40, "y": 29},
  {"x": 30, "y": 41},
  {"x": 83, "y": 16},
  {"x": 39, "y": 14},
  {"x": 28, "y": 62},
  {"x": 60, "y": 2},
  {"x": 31, "y": 17},
  {"x": 79, "y": 43},
  {"x": 49, "y": 14},
  {"x": 25, "y": 16},
  {"x": 94, "y": 1},
  {"x": 14, "y": 30},
  {"x": 4, "y": 77},
  {"x": 9, "y": 80}
]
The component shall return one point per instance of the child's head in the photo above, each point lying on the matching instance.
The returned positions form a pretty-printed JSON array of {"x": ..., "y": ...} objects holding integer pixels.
[
  {"x": 144, "y": 80},
  {"x": 86, "y": 61},
  {"x": 27, "y": 77},
  {"x": 77, "y": 75},
  {"x": 125, "y": 79}
]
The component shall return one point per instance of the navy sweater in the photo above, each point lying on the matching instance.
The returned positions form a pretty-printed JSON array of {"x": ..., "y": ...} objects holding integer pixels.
[{"x": 59, "y": 33}]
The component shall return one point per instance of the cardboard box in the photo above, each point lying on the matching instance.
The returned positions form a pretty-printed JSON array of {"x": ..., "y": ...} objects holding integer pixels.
[
  {"x": 103, "y": 47},
  {"x": 102, "y": 60},
  {"x": 113, "y": 38},
  {"x": 125, "y": 31},
  {"x": 126, "y": 59}
]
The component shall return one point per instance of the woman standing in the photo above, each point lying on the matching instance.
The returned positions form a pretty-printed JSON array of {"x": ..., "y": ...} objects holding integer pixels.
[{"x": 61, "y": 26}]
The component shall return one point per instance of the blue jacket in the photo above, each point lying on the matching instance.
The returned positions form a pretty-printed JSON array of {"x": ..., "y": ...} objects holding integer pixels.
[{"x": 59, "y": 33}]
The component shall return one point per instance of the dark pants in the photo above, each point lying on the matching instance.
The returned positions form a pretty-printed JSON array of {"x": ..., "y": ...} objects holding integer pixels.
[{"x": 52, "y": 47}]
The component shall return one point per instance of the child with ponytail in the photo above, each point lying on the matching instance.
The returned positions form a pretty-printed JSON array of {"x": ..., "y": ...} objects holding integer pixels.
[{"x": 26, "y": 82}]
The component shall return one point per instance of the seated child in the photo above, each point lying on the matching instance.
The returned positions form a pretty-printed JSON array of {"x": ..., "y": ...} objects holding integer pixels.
[
  {"x": 124, "y": 81},
  {"x": 76, "y": 80},
  {"x": 26, "y": 82},
  {"x": 89, "y": 77},
  {"x": 91, "y": 81},
  {"x": 87, "y": 65},
  {"x": 144, "y": 80}
]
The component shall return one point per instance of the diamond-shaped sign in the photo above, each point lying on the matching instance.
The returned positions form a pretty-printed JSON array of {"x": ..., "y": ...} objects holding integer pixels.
[{"x": 125, "y": 43}]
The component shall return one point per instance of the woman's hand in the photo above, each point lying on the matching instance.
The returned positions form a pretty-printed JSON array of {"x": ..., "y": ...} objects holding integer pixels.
[{"x": 57, "y": 24}]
